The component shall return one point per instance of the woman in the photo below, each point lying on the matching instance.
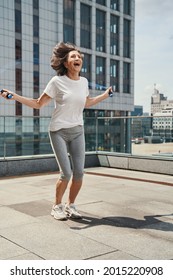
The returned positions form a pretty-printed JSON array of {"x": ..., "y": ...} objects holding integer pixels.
[{"x": 70, "y": 93}]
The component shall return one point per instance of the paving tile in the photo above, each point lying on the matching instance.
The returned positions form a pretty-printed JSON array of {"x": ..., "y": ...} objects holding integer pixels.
[
  {"x": 10, "y": 250},
  {"x": 34, "y": 208},
  {"x": 120, "y": 217},
  {"x": 55, "y": 242},
  {"x": 27, "y": 256},
  {"x": 138, "y": 243},
  {"x": 116, "y": 255},
  {"x": 10, "y": 218},
  {"x": 162, "y": 230}
]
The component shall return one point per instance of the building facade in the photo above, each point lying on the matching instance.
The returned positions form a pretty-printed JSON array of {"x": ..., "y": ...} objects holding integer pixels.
[
  {"x": 162, "y": 112},
  {"x": 140, "y": 124},
  {"x": 163, "y": 124},
  {"x": 159, "y": 102},
  {"x": 104, "y": 31}
]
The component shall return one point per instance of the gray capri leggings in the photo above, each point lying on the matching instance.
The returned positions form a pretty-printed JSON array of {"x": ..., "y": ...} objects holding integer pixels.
[{"x": 72, "y": 141}]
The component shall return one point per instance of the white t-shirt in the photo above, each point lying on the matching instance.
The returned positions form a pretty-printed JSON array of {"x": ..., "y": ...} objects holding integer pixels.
[{"x": 69, "y": 98}]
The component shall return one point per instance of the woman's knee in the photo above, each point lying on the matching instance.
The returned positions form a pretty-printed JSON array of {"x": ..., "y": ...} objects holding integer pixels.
[
  {"x": 65, "y": 176},
  {"x": 78, "y": 175}
]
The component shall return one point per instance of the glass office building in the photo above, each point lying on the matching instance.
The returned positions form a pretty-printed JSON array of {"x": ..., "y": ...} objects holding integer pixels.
[{"x": 104, "y": 31}]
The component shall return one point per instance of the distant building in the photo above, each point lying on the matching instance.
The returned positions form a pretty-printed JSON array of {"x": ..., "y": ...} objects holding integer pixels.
[
  {"x": 163, "y": 124},
  {"x": 138, "y": 110},
  {"x": 140, "y": 127},
  {"x": 159, "y": 102}
]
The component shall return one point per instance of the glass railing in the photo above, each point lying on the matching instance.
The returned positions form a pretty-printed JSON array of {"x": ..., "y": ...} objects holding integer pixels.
[
  {"x": 24, "y": 136},
  {"x": 145, "y": 136}
]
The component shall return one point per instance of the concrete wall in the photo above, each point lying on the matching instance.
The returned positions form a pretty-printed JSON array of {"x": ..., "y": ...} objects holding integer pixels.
[
  {"x": 40, "y": 164},
  {"x": 140, "y": 163},
  {"x": 37, "y": 164}
]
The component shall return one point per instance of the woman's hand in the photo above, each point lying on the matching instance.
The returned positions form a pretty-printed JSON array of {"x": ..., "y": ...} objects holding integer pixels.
[
  {"x": 6, "y": 94},
  {"x": 109, "y": 91}
]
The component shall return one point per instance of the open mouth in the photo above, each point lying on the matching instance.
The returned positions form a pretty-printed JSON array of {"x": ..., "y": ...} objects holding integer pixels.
[{"x": 76, "y": 64}]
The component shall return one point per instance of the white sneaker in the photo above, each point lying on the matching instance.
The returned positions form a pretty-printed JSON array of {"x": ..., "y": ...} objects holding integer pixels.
[
  {"x": 58, "y": 212},
  {"x": 71, "y": 211}
]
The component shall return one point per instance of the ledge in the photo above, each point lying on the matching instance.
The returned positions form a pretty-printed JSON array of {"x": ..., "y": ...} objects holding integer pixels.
[
  {"x": 139, "y": 163},
  {"x": 15, "y": 166}
]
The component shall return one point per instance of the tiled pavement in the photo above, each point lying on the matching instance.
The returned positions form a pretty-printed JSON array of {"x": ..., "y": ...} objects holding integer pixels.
[{"x": 127, "y": 215}]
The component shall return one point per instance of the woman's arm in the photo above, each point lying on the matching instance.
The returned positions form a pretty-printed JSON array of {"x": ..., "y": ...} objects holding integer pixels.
[
  {"x": 90, "y": 101},
  {"x": 43, "y": 100}
]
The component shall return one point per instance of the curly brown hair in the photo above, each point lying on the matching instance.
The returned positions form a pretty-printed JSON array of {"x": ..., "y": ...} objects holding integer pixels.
[{"x": 60, "y": 52}]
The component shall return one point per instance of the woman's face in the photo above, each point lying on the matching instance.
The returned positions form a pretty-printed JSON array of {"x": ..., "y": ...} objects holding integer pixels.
[{"x": 74, "y": 62}]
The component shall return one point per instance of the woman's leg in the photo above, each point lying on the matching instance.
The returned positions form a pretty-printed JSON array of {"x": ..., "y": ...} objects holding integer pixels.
[
  {"x": 61, "y": 186},
  {"x": 60, "y": 150},
  {"x": 77, "y": 153},
  {"x": 74, "y": 190}
]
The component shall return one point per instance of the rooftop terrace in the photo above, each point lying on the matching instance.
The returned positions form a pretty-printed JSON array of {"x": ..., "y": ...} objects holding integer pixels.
[{"x": 126, "y": 215}]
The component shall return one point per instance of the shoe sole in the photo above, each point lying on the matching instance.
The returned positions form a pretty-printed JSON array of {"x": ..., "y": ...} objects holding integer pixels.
[{"x": 60, "y": 219}]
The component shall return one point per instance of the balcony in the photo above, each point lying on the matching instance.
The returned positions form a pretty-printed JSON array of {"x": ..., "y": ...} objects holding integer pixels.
[{"x": 127, "y": 211}]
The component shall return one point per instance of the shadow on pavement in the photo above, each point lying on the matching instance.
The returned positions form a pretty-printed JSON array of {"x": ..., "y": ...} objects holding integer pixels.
[{"x": 149, "y": 222}]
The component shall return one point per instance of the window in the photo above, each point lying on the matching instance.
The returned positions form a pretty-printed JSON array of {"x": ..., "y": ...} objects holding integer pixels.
[
  {"x": 100, "y": 31},
  {"x": 18, "y": 109},
  {"x": 18, "y": 79},
  {"x": 127, "y": 7},
  {"x": 18, "y": 49},
  {"x": 100, "y": 73},
  {"x": 35, "y": 62},
  {"x": 85, "y": 26},
  {"x": 114, "y": 74},
  {"x": 126, "y": 38},
  {"x": 101, "y": 2},
  {"x": 18, "y": 21},
  {"x": 114, "y": 35},
  {"x": 86, "y": 68},
  {"x": 36, "y": 82},
  {"x": 126, "y": 77},
  {"x": 36, "y": 26},
  {"x": 36, "y": 54},
  {"x": 114, "y": 5},
  {"x": 18, "y": 55},
  {"x": 68, "y": 24},
  {"x": 36, "y": 4}
]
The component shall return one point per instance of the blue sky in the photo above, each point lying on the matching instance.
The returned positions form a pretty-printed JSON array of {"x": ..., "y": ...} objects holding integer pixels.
[{"x": 153, "y": 50}]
